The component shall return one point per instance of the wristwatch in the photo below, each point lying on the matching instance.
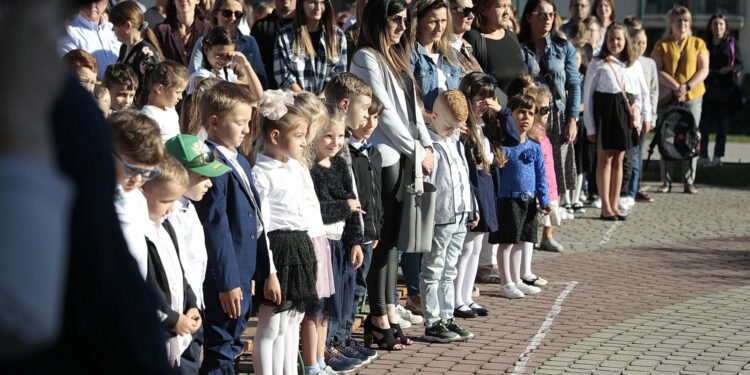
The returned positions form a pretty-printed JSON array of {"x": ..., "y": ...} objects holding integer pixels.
[{"x": 687, "y": 86}]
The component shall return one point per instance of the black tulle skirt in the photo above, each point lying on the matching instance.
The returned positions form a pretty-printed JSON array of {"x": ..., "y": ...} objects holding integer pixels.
[{"x": 296, "y": 268}]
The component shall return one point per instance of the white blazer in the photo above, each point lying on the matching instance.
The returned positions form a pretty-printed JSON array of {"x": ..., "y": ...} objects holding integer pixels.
[{"x": 392, "y": 137}]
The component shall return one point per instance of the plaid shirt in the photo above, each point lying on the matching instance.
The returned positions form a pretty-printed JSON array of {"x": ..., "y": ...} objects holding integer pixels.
[{"x": 310, "y": 73}]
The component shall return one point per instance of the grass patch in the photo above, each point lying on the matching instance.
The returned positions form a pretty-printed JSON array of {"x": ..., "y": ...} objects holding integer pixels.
[{"x": 731, "y": 174}]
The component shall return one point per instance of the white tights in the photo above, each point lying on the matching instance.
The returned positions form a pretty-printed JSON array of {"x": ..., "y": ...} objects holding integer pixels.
[
  {"x": 466, "y": 267},
  {"x": 276, "y": 341},
  {"x": 488, "y": 255},
  {"x": 514, "y": 259}
]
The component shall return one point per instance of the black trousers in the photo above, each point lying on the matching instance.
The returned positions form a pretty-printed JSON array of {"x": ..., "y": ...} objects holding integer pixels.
[{"x": 381, "y": 279}]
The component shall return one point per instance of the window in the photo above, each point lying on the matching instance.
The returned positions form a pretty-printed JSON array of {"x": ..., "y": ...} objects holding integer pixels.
[{"x": 728, "y": 7}]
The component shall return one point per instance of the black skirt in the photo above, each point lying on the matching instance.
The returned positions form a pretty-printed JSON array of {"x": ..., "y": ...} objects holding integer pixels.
[
  {"x": 296, "y": 269},
  {"x": 517, "y": 218},
  {"x": 612, "y": 118}
]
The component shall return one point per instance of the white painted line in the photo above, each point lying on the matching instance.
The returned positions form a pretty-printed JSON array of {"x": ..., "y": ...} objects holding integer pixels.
[
  {"x": 609, "y": 232},
  {"x": 537, "y": 339}
]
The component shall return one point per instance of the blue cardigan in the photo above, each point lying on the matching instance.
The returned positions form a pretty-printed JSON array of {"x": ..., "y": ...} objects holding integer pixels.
[{"x": 523, "y": 176}]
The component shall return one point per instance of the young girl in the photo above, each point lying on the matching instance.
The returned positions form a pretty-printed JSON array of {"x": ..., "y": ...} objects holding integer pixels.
[
  {"x": 221, "y": 60},
  {"x": 479, "y": 90},
  {"x": 310, "y": 51},
  {"x": 339, "y": 209},
  {"x": 278, "y": 178},
  {"x": 139, "y": 43},
  {"x": 315, "y": 324},
  {"x": 612, "y": 75},
  {"x": 522, "y": 181},
  {"x": 162, "y": 90},
  {"x": 190, "y": 121},
  {"x": 539, "y": 134}
]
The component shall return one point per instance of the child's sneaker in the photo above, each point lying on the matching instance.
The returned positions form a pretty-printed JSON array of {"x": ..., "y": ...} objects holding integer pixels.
[
  {"x": 578, "y": 208},
  {"x": 438, "y": 332},
  {"x": 534, "y": 280},
  {"x": 597, "y": 203},
  {"x": 339, "y": 362},
  {"x": 510, "y": 291},
  {"x": 407, "y": 316},
  {"x": 527, "y": 289},
  {"x": 369, "y": 353},
  {"x": 453, "y": 327},
  {"x": 551, "y": 245},
  {"x": 350, "y": 352}
]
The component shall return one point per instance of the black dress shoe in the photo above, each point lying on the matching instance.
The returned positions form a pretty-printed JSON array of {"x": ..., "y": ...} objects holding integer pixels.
[
  {"x": 621, "y": 217},
  {"x": 608, "y": 218},
  {"x": 481, "y": 311},
  {"x": 466, "y": 314}
]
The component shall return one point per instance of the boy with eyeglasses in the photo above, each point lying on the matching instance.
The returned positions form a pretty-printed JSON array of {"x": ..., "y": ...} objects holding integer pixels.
[{"x": 137, "y": 150}]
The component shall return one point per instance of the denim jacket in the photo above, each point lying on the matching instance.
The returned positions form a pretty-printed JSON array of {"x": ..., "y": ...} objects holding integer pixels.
[
  {"x": 557, "y": 68},
  {"x": 425, "y": 73}
]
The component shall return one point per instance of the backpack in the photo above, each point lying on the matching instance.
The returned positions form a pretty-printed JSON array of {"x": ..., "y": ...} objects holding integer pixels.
[{"x": 676, "y": 134}]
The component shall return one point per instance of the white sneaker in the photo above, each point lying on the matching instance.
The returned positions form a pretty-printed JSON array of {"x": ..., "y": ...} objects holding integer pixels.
[
  {"x": 597, "y": 203},
  {"x": 511, "y": 291},
  {"x": 625, "y": 203},
  {"x": 405, "y": 315},
  {"x": 528, "y": 289}
]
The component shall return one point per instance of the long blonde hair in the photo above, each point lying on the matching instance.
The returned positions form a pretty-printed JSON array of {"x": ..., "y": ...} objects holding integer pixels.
[
  {"x": 318, "y": 114},
  {"x": 303, "y": 44}
]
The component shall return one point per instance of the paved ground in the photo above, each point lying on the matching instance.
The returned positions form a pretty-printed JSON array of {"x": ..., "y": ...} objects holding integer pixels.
[
  {"x": 733, "y": 153},
  {"x": 667, "y": 291}
]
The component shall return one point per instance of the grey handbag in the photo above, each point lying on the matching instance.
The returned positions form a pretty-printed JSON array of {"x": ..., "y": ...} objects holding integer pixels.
[{"x": 418, "y": 210}]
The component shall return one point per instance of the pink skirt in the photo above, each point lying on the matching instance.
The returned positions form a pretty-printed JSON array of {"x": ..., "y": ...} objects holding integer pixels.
[{"x": 324, "y": 283}]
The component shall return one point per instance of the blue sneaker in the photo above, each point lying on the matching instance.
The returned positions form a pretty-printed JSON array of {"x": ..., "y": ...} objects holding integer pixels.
[
  {"x": 369, "y": 353},
  {"x": 341, "y": 363},
  {"x": 351, "y": 352}
]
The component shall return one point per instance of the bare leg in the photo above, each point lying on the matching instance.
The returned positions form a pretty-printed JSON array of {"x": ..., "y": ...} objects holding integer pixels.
[
  {"x": 616, "y": 181},
  {"x": 603, "y": 176}
]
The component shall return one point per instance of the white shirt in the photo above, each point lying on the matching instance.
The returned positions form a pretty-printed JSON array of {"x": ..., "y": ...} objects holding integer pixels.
[
  {"x": 486, "y": 146},
  {"x": 226, "y": 74},
  {"x": 192, "y": 243},
  {"x": 460, "y": 176},
  {"x": 132, "y": 211},
  {"x": 96, "y": 39},
  {"x": 168, "y": 120},
  {"x": 442, "y": 80},
  {"x": 600, "y": 77},
  {"x": 173, "y": 270},
  {"x": 280, "y": 189}
]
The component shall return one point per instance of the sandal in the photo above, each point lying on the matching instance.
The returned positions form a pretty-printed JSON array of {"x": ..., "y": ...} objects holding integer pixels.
[
  {"x": 386, "y": 341},
  {"x": 664, "y": 189},
  {"x": 398, "y": 334},
  {"x": 490, "y": 276}
]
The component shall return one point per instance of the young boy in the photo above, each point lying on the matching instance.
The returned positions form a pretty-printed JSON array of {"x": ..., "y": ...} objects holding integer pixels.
[
  {"x": 122, "y": 83},
  {"x": 235, "y": 240},
  {"x": 84, "y": 66},
  {"x": 137, "y": 149},
  {"x": 178, "y": 309},
  {"x": 353, "y": 95},
  {"x": 454, "y": 211},
  {"x": 201, "y": 165}
]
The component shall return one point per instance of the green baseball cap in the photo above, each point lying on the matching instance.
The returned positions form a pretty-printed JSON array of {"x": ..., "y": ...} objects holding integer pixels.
[{"x": 194, "y": 155}]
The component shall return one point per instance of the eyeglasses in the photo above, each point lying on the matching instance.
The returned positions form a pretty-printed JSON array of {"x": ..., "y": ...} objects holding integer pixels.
[
  {"x": 207, "y": 157},
  {"x": 467, "y": 11},
  {"x": 544, "y": 15},
  {"x": 398, "y": 20},
  {"x": 544, "y": 110},
  {"x": 228, "y": 13},
  {"x": 133, "y": 171}
]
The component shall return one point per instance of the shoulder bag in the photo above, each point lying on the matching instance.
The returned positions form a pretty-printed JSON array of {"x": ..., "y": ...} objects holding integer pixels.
[
  {"x": 418, "y": 209},
  {"x": 633, "y": 110}
]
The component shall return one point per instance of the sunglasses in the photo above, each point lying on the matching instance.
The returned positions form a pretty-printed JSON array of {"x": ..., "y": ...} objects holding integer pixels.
[
  {"x": 545, "y": 15},
  {"x": 133, "y": 171},
  {"x": 398, "y": 20},
  {"x": 467, "y": 11},
  {"x": 228, "y": 13},
  {"x": 544, "y": 110},
  {"x": 207, "y": 157}
]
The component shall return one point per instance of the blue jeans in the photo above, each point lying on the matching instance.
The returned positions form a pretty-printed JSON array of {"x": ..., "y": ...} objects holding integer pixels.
[{"x": 338, "y": 330}]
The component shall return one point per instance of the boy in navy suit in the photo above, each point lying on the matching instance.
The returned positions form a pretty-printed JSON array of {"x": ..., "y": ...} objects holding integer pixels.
[{"x": 235, "y": 239}]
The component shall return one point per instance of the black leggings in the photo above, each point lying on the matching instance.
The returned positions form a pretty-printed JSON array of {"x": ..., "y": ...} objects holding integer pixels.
[{"x": 381, "y": 279}]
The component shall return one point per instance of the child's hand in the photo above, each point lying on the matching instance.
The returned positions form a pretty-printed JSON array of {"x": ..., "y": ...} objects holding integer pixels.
[
  {"x": 231, "y": 302},
  {"x": 239, "y": 58},
  {"x": 548, "y": 209},
  {"x": 185, "y": 325},
  {"x": 355, "y": 206},
  {"x": 473, "y": 224},
  {"x": 357, "y": 256},
  {"x": 272, "y": 289},
  {"x": 195, "y": 315},
  {"x": 429, "y": 162},
  {"x": 493, "y": 104}
]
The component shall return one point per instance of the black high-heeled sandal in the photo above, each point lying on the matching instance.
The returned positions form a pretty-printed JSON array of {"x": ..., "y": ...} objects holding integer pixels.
[
  {"x": 386, "y": 341},
  {"x": 399, "y": 334}
]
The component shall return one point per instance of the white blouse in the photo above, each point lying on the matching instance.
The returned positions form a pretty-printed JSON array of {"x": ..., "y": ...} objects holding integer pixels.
[
  {"x": 600, "y": 77},
  {"x": 280, "y": 186}
]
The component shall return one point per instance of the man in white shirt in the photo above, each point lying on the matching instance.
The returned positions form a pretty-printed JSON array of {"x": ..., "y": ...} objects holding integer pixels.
[{"x": 91, "y": 33}]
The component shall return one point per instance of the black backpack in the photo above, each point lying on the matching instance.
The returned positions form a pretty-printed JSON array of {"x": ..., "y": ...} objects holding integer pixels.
[{"x": 676, "y": 134}]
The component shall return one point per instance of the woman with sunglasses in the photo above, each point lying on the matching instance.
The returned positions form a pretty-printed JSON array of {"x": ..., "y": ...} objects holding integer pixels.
[
  {"x": 310, "y": 51},
  {"x": 180, "y": 31},
  {"x": 552, "y": 60},
  {"x": 462, "y": 13},
  {"x": 228, "y": 13},
  {"x": 382, "y": 61},
  {"x": 495, "y": 47}
]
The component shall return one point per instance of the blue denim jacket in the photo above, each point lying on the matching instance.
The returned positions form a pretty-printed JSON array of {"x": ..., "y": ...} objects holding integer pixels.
[
  {"x": 560, "y": 60},
  {"x": 425, "y": 73},
  {"x": 245, "y": 44}
]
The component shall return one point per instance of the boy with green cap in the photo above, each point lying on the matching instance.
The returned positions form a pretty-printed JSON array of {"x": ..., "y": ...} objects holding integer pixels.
[{"x": 202, "y": 164}]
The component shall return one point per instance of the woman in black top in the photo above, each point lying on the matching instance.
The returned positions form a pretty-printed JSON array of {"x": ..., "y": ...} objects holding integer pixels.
[
  {"x": 721, "y": 87},
  {"x": 495, "y": 47},
  {"x": 139, "y": 44}
]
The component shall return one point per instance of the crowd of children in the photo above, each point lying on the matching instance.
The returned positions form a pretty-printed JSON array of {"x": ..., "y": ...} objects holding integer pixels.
[{"x": 270, "y": 202}]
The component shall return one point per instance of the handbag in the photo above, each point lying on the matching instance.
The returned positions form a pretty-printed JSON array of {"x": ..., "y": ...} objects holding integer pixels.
[
  {"x": 635, "y": 112},
  {"x": 418, "y": 210}
]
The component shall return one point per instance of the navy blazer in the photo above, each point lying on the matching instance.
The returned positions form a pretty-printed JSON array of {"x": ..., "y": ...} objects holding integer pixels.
[{"x": 236, "y": 251}]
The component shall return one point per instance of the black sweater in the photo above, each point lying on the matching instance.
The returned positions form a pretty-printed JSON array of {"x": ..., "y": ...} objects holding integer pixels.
[
  {"x": 366, "y": 169},
  {"x": 157, "y": 278},
  {"x": 333, "y": 186}
]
